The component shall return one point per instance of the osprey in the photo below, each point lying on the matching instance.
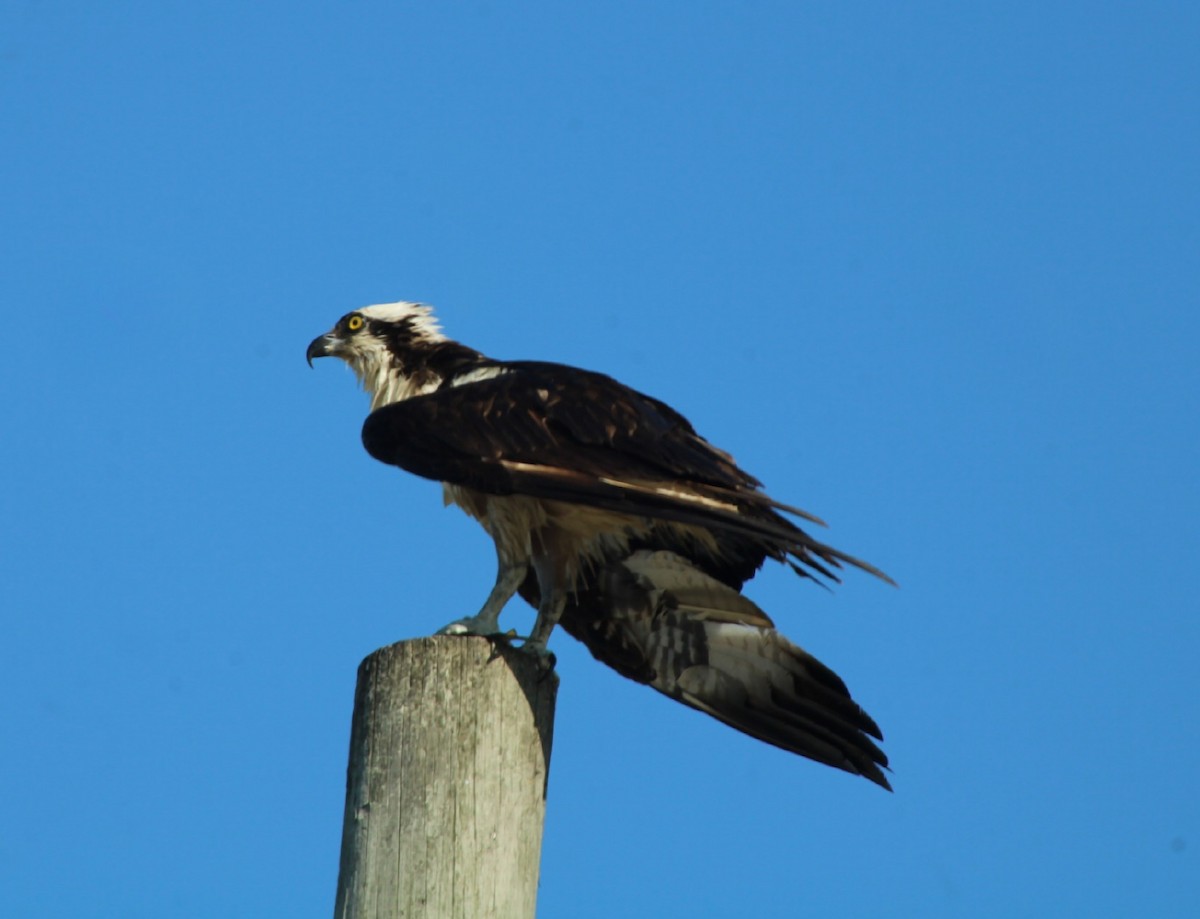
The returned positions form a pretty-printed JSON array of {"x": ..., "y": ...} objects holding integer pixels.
[{"x": 614, "y": 518}]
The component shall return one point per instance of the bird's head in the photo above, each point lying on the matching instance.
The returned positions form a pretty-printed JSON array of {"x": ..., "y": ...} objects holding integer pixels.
[{"x": 386, "y": 346}]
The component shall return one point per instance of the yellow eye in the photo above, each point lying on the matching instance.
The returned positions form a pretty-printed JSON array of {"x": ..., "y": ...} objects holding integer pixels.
[{"x": 354, "y": 323}]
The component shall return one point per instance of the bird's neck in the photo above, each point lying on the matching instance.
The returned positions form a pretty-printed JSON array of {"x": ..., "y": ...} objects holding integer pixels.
[
  {"x": 390, "y": 384},
  {"x": 420, "y": 371}
]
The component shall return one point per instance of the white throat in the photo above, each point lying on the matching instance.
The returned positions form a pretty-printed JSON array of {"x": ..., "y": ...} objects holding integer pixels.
[{"x": 386, "y": 383}]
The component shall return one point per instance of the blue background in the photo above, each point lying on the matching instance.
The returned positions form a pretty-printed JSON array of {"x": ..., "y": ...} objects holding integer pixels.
[{"x": 928, "y": 270}]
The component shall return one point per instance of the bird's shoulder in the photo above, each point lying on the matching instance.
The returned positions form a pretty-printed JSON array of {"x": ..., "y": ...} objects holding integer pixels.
[{"x": 562, "y": 390}]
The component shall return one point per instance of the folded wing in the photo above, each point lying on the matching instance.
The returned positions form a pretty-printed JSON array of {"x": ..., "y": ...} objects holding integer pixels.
[{"x": 558, "y": 433}]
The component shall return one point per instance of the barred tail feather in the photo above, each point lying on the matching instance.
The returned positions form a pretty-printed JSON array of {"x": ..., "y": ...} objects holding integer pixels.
[
  {"x": 659, "y": 620},
  {"x": 760, "y": 683}
]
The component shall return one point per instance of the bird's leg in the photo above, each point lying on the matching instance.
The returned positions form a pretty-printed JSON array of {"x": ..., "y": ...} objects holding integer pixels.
[
  {"x": 550, "y": 610},
  {"x": 509, "y": 575}
]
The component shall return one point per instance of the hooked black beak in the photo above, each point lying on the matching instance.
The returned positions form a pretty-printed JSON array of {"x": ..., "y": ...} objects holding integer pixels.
[{"x": 320, "y": 347}]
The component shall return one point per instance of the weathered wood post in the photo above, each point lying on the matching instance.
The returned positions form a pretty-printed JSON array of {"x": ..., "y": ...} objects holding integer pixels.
[{"x": 446, "y": 787}]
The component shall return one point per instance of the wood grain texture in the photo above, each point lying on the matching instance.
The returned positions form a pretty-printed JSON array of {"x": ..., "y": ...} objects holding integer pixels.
[{"x": 446, "y": 786}]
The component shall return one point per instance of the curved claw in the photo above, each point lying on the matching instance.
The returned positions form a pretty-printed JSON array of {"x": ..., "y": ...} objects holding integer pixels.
[{"x": 539, "y": 652}]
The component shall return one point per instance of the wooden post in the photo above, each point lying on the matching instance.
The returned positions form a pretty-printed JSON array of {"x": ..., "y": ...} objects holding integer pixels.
[{"x": 446, "y": 787}]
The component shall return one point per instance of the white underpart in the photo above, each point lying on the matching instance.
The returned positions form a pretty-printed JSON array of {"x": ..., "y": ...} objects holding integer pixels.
[{"x": 584, "y": 536}]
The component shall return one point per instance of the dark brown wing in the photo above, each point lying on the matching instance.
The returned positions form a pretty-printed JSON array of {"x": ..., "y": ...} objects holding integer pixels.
[{"x": 570, "y": 435}]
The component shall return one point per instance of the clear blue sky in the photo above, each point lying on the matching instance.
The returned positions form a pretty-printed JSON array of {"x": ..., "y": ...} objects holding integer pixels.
[{"x": 928, "y": 270}]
